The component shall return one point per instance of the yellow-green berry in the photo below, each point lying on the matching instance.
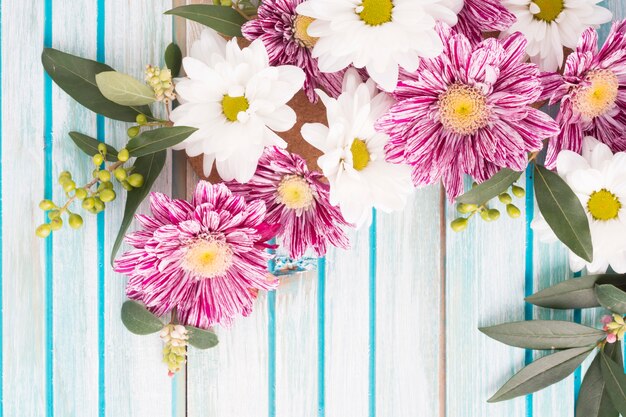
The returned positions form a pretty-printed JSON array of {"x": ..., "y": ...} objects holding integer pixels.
[
  {"x": 65, "y": 174},
  {"x": 484, "y": 214},
  {"x": 69, "y": 186},
  {"x": 81, "y": 194},
  {"x": 102, "y": 148},
  {"x": 459, "y": 224},
  {"x": 75, "y": 221},
  {"x": 518, "y": 192},
  {"x": 494, "y": 214},
  {"x": 98, "y": 204},
  {"x": 505, "y": 198},
  {"x": 47, "y": 205},
  {"x": 56, "y": 224},
  {"x": 107, "y": 195},
  {"x": 123, "y": 155},
  {"x": 120, "y": 174},
  {"x": 98, "y": 159},
  {"x": 133, "y": 131},
  {"x": 141, "y": 119},
  {"x": 53, "y": 214},
  {"x": 136, "y": 180},
  {"x": 43, "y": 231},
  {"x": 513, "y": 211},
  {"x": 466, "y": 208},
  {"x": 88, "y": 203},
  {"x": 104, "y": 176},
  {"x": 127, "y": 186}
]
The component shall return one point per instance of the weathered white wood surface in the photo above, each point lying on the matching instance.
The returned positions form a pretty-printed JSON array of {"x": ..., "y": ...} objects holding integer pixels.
[{"x": 391, "y": 336}]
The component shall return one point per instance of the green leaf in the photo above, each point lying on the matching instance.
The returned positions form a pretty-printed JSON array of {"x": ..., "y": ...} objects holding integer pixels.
[
  {"x": 124, "y": 89},
  {"x": 593, "y": 397},
  {"x": 173, "y": 58},
  {"x": 150, "y": 167},
  {"x": 544, "y": 334},
  {"x": 571, "y": 293},
  {"x": 138, "y": 319},
  {"x": 563, "y": 212},
  {"x": 491, "y": 188},
  {"x": 542, "y": 373},
  {"x": 157, "y": 140},
  {"x": 615, "y": 381},
  {"x": 223, "y": 19},
  {"x": 77, "y": 77},
  {"x": 201, "y": 339},
  {"x": 89, "y": 145},
  {"x": 611, "y": 297}
]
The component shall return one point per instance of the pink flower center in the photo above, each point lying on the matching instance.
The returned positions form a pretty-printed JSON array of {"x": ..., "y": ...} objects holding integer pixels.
[
  {"x": 599, "y": 96},
  {"x": 207, "y": 258},
  {"x": 295, "y": 192},
  {"x": 300, "y": 31},
  {"x": 463, "y": 109}
]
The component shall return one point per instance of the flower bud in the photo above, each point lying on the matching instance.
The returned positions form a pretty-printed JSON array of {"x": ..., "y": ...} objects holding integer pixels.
[
  {"x": 459, "y": 224},
  {"x": 107, "y": 195},
  {"x": 518, "y": 192},
  {"x": 47, "y": 205},
  {"x": 98, "y": 159},
  {"x": 75, "y": 221},
  {"x": 505, "y": 198},
  {"x": 123, "y": 155},
  {"x": 43, "y": 231},
  {"x": 136, "y": 180},
  {"x": 513, "y": 211}
]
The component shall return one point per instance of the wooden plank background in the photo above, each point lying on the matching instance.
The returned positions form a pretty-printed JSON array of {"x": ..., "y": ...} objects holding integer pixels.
[{"x": 387, "y": 329}]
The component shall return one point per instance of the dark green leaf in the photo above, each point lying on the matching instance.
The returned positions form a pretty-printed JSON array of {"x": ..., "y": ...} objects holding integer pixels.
[
  {"x": 77, "y": 77},
  {"x": 123, "y": 89},
  {"x": 201, "y": 339},
  {"x": 571, "y": 293},
  {"x": 150, "y": 167},
  {"x": 223, "y": 19},
  {"x": 563, "y": 212},
  {"x": 491, "y": 188},
  {"x": 542, "y": 373},
  {"x": 611, "y": 297},
  {"x": 593, "y": 397},
  {"x": 544, "y": 334},
  {"x": 615, "y": 380},
  {"x": 138, "y": 319},
  {"x": 89, "y": 145},
  {"x": 157, "y": 140},
  {"x": 173, "y": 58}
]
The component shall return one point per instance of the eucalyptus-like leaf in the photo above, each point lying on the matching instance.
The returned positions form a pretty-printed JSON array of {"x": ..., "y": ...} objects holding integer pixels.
[
  {"x": 173, "y": 58},
  {"x": 563, "y": 212},
  {"x": 611, "y": 297},
  {"x": 615, "y": 380},
  {"x": 223, "y": 19},
  {"x": 491, "y": 188},
  {"x": 572, "y": 293},
  {"x": 201, "y": 339},
  {"x": 138, "y": 319},
  {"x": 150, "y": 167},
  {"x": 89, "y": 145},
  {"x": 542, "y": 373},
  {"x": 593, "y": 397},
  {"x": 123, "y": 89},
  {"x": 544, "y": 334},
  {"x": 157, "y": 140},
  {"x": 77, "y": 77}
]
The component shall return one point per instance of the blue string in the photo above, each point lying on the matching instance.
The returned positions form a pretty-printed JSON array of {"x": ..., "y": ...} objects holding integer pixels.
[
  {"x": 321, "y": 337},
  {"x": 372, "y": 318},
  {"x": 529, "y": 271}
]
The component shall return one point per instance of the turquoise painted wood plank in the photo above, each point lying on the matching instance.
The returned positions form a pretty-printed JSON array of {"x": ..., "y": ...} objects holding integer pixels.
[
  {"x": 409, "y": 273},
  {"x": 484, "y": 286},
  {"x": 136, "y": 382},
  {"x": 23, "y": 257},
  {"x": 75, "y": 286}
]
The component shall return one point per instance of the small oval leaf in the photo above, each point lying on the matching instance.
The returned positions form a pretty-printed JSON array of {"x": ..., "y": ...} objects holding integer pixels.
[
  {"x": 223, "y": 19},
  {"x": 563, "y": 212},
  {"x": 138, "y": 319},
  {"x": 615, "y": 381},
  {"x": 173, "y": 58},
  {"x": 544, "y": 334},
  {"x": 158, "y": 140},
  {"x": 611, "y": 297},
  {"x": 124, "y": 89},
  {"x": 593, "y": 397},
  {"x": 571, "y": 293},
  {"x": 201, "y": 339},
  {"x": 491, "y": 188},
  {"x": 89, "y": 145}
]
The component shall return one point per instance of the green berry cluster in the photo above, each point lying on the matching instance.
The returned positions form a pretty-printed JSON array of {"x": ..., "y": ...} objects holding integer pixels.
[{"x": 487, "y": 213}]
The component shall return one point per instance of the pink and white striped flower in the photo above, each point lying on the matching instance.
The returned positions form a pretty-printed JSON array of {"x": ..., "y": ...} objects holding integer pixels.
[
  {"x": 284, "y": 34},
  {"x": 592, "y": 94},
  {"x": 467, "y": 111},
  {"x": 479, "y": 16},
  {"x": 298, "y": 200},
  {"x": 206, "y": 258}
]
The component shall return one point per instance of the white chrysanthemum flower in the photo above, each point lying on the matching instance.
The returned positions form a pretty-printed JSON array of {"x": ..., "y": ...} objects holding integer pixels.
[
  {"x": 599, "y": 180},
  {"x": 378, "y": 35},
  {"x": 550, "y": 25},
  {"x": 354, "y": 157},
  {"x": 237, "y": 102}
]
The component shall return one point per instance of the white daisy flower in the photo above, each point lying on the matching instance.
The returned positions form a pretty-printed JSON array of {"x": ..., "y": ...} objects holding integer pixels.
[
  {"x": 599, "y": 180},
  {"x": 237, "y": 102},
  {"x": 354, "y": 156},
  {"x": 378, "y": 35},
  {"x": 550, "y": 25}
]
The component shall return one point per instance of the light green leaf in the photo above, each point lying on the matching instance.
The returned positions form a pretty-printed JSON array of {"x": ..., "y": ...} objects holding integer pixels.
[
  {"x": 571, "y": 293},
  {"x": 611, "y": 297},
  {"x": 615, "y": 381},
  {"x": 201, "y": 339},
  {"x": 77, "y": 77},
  {"x": 173, "y": 58},
  {"x": 157, "y": 140},
  {"x": 593, "y": 397},
  {"x": 138, "y": 319},
  {"x": 89, "y": 145},
  {"x": 542, "y": 373},
  {"x": 124, "y": 89},
  {"x": 223, "y": 19},
  {"x": 544, "y": 334},
  {"x": 563, "y": 212},
  {"x": 491, "y": 188},
  {"x": 150, "y": 167}
]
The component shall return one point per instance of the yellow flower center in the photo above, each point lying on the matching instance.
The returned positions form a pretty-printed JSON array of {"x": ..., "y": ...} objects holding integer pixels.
[
  {"x": 300, "y": 31},
  {"x": 295, "y": 192},
  {"x": 604, "y": 205},
  {"x": 599, "y": 97},
  {"x": 208, "y": 258},
  {"x": 231, "y": 106},
  {"x": 360, "y": 154},
  {"x": 549, "y": 9},
  {"x": 463, "y": 109},
  {"x": 375, "y": 12}
]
